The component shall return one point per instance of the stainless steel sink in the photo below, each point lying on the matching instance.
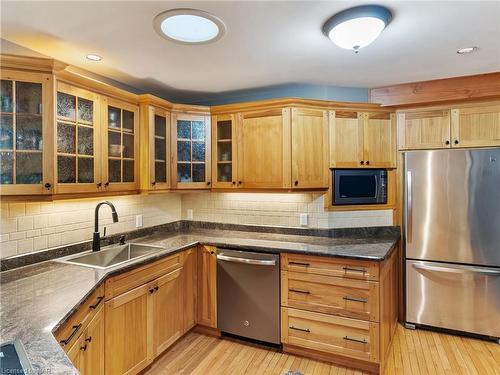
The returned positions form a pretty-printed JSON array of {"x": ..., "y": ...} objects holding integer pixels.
[{"x": 112, "y": 256}]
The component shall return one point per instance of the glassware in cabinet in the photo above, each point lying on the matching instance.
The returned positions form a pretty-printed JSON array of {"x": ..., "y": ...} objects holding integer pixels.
[{"x": 224, "y": 157}]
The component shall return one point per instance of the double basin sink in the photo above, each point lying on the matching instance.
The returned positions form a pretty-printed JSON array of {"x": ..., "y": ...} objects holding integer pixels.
[{"x": 112, "y": 256}]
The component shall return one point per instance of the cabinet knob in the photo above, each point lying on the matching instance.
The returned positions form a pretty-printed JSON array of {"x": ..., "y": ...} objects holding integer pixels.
[
  {"x": 208, "y": 183},
  {"x": 151, "y": 291},
  {"x": 88, "y": 339},
  {"x": 239, "y": 182},
  {"x": 47, "y": 186},
  {"x": 153, "y": 183},
  {"x": 234, "y": 182},
  {"x": 212, "y": 252},
  {"x": 106, "y": 184},
  {"x": 368, "y": 162},
  {"x": 362, "y": 162},
  {"x": 99, "y": 184},
  {"x": 296, "y": 183},
  {"x": 456, "y": 141},
  {"x": 447, "y": 142},
  {"x": 84, "y": 347}
]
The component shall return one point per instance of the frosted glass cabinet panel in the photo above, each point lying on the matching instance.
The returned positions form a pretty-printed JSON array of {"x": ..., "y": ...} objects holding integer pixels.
[
  {"x": 77, "y": 140},
  {"x": 191, "y": 167},
  {"x": 25, "y": 141},
  {"x": 120, "y": 137}
]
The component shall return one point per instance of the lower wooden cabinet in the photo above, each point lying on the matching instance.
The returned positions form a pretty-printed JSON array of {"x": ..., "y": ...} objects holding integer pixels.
[
  {"x": 189, "y": 289},
  {"x": 87, "y": 353},
  {"x": 207, "y": 286}
]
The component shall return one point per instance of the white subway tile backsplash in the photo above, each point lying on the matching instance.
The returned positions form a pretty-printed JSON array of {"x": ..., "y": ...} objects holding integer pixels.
[{"x": 25, "y": 223}]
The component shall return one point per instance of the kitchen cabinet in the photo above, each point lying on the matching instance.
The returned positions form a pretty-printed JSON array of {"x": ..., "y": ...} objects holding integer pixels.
[
  {"x": 476, "y": 126},
  {"x": 78, "y": 146},
  {"x": 26, "y": 135},
  {"x": 424, "y": 129},
  {"x": 189, "y": 288},
  {"x": 207, "y": 286},
  {"x": 309, "y": 158},
  {"x": 264, "y": 149},
  {"x": 362, "y": 139},
  {"x": 190, "y": 151},
  {"x": 224, "y": 155},
  {"x": 155, "y": 150},
  {"x": 120, "y": 145}
]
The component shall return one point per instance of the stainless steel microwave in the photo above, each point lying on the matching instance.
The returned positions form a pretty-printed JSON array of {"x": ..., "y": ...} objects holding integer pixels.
[{"x": 359, "y": 186}]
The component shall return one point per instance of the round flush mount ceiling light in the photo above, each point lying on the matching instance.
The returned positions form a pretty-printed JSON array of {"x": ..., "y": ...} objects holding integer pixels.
[
  {"x": 93, "y": 57},
  {"x": 189, "y": 26},
  {"x": 467, "y": 50},
  {"x": 357, "y": 27}
]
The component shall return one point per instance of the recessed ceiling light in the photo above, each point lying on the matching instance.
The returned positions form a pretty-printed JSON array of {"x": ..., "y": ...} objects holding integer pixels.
[
  {"x": 466, "y": 50},
  {"x": 357, "y": 27},
  {"x": 189, "y": 26},
  {"x": 93, "y": 57}
]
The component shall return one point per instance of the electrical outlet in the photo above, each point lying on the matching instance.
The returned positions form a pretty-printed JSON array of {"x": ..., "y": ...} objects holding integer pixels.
[
  {"x": 304, "y": 218},
  {"x": 138, "y": 221},
  {"x": 189, "y": 214}
]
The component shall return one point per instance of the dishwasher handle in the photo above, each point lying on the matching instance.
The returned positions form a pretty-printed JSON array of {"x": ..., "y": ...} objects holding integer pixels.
[{"x": 257, "y": 262}]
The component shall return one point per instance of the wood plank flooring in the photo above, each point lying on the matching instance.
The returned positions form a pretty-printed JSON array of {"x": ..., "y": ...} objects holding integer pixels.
[{"x": 416, "y": 352}]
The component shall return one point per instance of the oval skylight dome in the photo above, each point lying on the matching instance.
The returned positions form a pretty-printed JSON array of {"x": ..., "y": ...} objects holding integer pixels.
[{"x": 189, "y": 26}]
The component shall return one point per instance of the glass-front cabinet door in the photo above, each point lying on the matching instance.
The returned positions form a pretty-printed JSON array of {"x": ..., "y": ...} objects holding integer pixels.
[
  {"x": 25, "y": 141},
  {"x": 78, "y": 163},
  {"x": 224, "y": 165},
  {"x": 120, "y": 145},
  {"x": 191, "y": 151}
]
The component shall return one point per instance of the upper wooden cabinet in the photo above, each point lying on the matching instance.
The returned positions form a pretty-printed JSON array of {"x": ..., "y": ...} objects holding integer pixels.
[
  {"x": 190, "y": 151},
  {"x": 78, "y": 144},
  {"x": 155, "y": 148},
  {"x": 224, "y": 152},
  {"x": 362, "y": 139},
  {"x": 477, "y": 126},
  {"x": 264, "y": 149},
  {"x": 26, "y": 135},
  {"x": 309, "y": 158},
  {"x": 120, "y": 145},
  {"x": 424, "y": 129}
]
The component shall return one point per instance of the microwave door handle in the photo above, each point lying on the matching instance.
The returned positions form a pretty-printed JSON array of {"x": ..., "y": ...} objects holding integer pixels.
[{"x": 409, "y": 207}]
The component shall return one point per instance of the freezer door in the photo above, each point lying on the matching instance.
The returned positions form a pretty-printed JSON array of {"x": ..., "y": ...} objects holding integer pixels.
[
  {"x": 462, "y": 298},
  {"x": 452, "y": 206}
]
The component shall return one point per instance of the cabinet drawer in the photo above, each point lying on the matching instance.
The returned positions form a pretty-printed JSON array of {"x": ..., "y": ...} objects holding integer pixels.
[
  {"x": 69, "y": 332},
  {"x": 330, "y": 295},
  {"x": 349, "y": 268},
  {"x": 124, "y": 282},
  {"x": 332, "y": 334}
]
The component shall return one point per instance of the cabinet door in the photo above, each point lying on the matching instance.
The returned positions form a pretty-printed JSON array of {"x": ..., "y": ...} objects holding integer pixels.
[
  {"x": 189, "y": 288},
  {"x": 78, "y": 164},
  {"x": 129, "y": 328},
  {"x": 26, "y": 133},
  {"x": 155, "y": 155},
  {"x": 476, "y": 126},
  {"x": 309, "y": 148},
  {"x": 424, "y": 129},
  {"x": 120, "y": 143},
  {"x": 379, "y": 134},
  {"x": 76, "y": 355},
  {"x": 224, "y": 163},
  {"x": 264, "y": 149},
  {"x": 191, "y": 151},
  {"x": 93, "y": 344},
  {"x": 346, "y": 139},
  {"x": 167, "y": 314},
  {"x": 207, "y": 286}
]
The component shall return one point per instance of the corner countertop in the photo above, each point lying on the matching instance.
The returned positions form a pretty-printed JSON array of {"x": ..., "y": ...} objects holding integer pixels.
[{"x": 36, "y": 299}]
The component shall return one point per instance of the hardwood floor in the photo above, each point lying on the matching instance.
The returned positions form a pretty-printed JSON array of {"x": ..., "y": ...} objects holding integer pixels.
[{"x": 416, "y": 352}]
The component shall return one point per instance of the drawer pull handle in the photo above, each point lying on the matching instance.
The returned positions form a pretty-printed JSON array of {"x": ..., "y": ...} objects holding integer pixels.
[
  {"x": 75, "y": 330},
  {"x": 88, "y": 339},
  {"x": 98, "y": 302},
  {"x": 84, "y": 347},
  {"x": 299, "y": 264},
  {"x": 300, "y": 329},
  {"x": 300, "y": 291},
  {"x": 363, "y": 300},
  {"x": 355, "y": 340},
  {"x": 346, "y": 269}
]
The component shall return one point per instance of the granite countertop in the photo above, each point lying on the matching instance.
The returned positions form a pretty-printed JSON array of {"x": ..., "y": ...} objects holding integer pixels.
[{"x": 36, "y": 299}]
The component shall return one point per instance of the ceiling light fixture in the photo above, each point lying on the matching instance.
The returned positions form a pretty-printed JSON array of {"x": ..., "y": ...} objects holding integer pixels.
[
  {"x": 357, "y": 27},
  {"x": 93, "y": 57},
  {"x": 467, "y": 50},
  {"x": 189, "y": 26}
]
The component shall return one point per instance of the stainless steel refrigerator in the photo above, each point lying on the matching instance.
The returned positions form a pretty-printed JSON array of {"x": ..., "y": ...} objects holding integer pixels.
[{"x": 452, "y": 239}]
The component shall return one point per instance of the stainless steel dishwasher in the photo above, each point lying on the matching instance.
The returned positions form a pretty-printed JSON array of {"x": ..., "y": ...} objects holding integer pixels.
[{"x": 248, "y": 294}]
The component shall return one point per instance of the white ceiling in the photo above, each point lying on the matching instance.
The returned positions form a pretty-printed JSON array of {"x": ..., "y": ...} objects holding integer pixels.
[{"x": 267, "y": 43}]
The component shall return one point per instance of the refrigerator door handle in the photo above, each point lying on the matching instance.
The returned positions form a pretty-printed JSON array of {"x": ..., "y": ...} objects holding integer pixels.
[
  {"x": 409, "y": 207},
  {"x": 468, "y": 270}
]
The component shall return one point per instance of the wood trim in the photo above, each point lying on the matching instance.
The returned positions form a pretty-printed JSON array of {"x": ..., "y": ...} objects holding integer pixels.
[
  {"x": 480, "y": 86},
  {"x": 210, "y": 331},
  {"x": 35, "y": 64}
]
